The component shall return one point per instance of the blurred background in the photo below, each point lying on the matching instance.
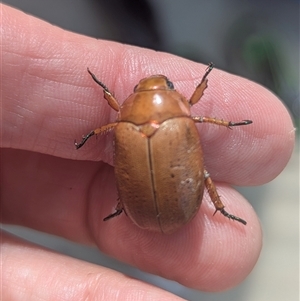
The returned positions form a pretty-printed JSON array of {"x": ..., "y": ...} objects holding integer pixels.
[{"x": 255, "y": 39}]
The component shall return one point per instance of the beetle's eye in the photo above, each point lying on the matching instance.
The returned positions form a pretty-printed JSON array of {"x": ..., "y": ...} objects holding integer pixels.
[{"x": 170, "y": 85}]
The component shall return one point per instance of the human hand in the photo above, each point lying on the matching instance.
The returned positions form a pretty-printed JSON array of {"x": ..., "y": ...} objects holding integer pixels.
[{"x": 48, "y": 100}]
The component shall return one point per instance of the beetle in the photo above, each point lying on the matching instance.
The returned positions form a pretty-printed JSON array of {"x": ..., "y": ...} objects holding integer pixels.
[{"x": 158, "y": 158}]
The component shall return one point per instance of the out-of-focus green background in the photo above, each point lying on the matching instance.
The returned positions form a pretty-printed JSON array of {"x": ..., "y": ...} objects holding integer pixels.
[{"x": 255, "y": 39}]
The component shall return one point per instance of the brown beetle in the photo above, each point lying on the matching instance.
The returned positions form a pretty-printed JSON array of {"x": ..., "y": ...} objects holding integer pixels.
[{"x": 158, "y": 157}]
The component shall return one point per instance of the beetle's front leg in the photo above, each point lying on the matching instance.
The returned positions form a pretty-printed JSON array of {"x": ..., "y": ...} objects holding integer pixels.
[
  {"x": 199, "y": 91},
  {"x": 215, "y": 198},
  {"x": 221, "y": 122},
  {"x": 101, "y": 130},
  {"x": 112, "y": 101}
]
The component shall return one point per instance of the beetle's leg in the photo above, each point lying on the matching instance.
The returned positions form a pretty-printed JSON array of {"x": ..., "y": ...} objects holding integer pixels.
[
  {"x": 113, "y": 103},
  {"x": 119, "y": 210},
  {"x": 101, "y": 130},
  {"x": 201, "y": 87},
  {"x": 215, "y": 198},
  {"x": 222, "y": 122}
]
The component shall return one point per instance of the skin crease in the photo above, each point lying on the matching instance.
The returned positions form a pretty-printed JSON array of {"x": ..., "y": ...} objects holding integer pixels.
[{"x": 48, "y": 100}]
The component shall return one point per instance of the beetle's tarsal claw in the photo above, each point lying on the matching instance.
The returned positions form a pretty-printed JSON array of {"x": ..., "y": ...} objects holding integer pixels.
[
  {"x": 210, "y": 66},
  {"x": 77, "y": 145},
  {"x": 233, "y": 217},
  {"x": 116, "y": 213}
]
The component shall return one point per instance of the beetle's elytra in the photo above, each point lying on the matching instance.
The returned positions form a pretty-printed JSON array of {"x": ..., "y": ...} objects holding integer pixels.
[{"x": 158, "y": 158}]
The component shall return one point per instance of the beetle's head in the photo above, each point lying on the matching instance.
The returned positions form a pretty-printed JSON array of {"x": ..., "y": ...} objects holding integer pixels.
[{"x": 154, "y": 82}]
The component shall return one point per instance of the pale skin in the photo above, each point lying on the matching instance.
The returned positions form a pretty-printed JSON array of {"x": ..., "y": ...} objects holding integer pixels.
[{"x": 48, "y": 100}]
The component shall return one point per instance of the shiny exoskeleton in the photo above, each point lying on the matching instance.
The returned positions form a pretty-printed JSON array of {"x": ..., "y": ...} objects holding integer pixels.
[{"x": 158, "y": 158}]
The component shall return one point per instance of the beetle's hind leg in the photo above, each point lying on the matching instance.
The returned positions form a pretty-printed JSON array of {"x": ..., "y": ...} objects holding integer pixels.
[
  {"x": 215, "y": 198},
  {"x": 103, "y": 129},
  {"x": 119, "y": 210}
]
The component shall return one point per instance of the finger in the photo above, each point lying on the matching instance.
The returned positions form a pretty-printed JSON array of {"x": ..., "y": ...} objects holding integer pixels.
[
  {"x": 31, "y": 273},
  {"x": 49, "y": 100},
  {"x": 47, "y": 125},
  {"x": 208, "y": 253}
]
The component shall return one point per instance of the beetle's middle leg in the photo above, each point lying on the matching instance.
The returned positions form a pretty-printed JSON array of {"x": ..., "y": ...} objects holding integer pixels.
[
  {"x": 215, "y": 198},
  {"x": 103, "y": 129},
  {"x": 228, "y": 124}
]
